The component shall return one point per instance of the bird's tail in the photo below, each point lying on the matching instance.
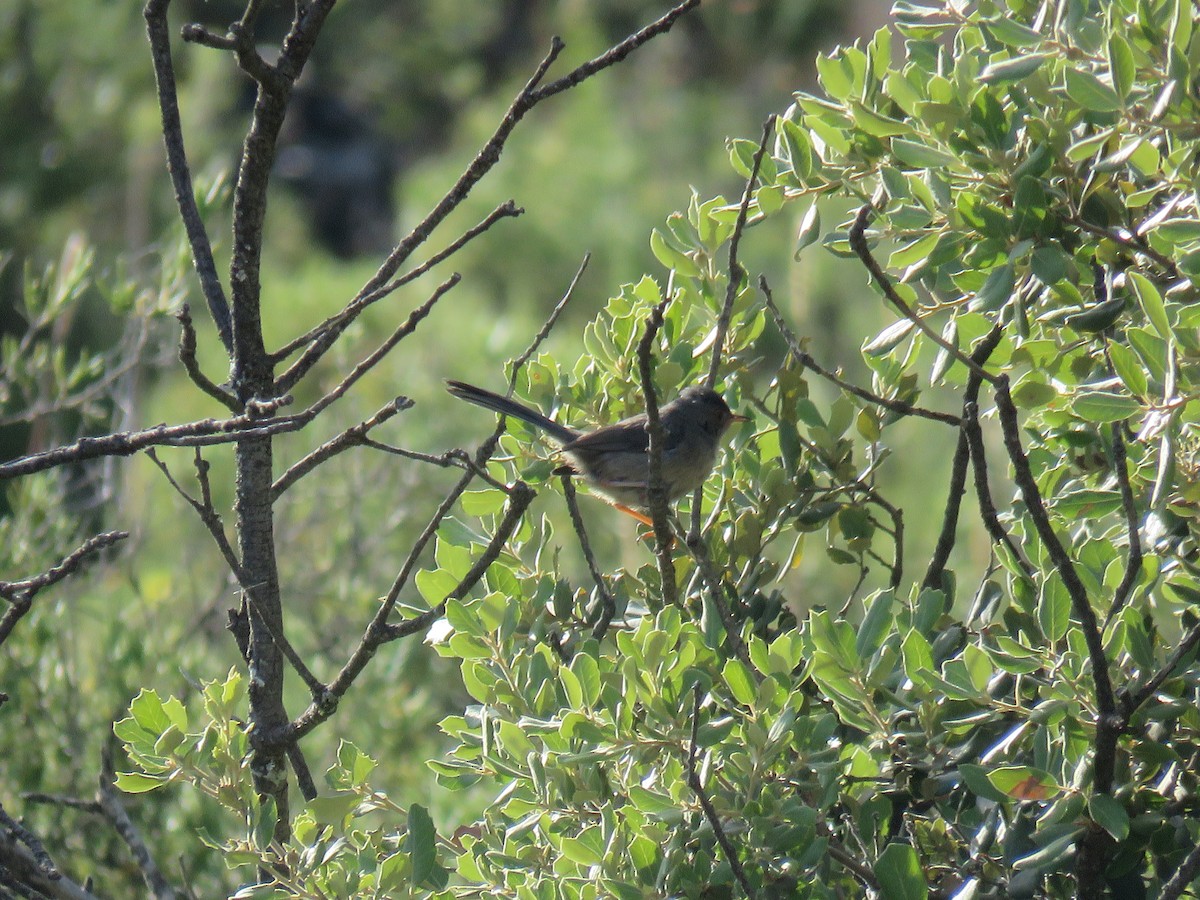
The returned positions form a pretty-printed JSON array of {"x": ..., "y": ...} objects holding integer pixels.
[{"x": 507, "y": 407}]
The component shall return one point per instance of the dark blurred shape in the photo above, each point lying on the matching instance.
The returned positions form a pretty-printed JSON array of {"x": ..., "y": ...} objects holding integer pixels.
[{"x": 343, "y": 171}]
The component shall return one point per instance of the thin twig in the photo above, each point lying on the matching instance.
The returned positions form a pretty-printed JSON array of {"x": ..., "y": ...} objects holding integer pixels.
[
  {"x": 1183, "y": 877},
  {"x": 1133, "y": 563},
  {"x": 958, "y": 468},
  {"x": 109, "y": 802},
  {"x": 858, "y": 243},
  {"x": 716, "y": 589},
  {"x": 551, "y": 320},
  {"x": 657, "y": 495},
  {"x": 1136, "y": 244},
  {"x": 20, "y": 594},
  {"x": 608, "y": 606},
  {"x": 1131, "y": 699},
  {"x": 528, "y": 97},
  {"x": 805, "y": 359},
  {"x": 735, "y": 272},
  {"x": 356, "y": 306},
  {"x": 456, "y": 458},
  {"x": 354, "y": 436},
  {"x": 203, "y": 508},
  {"x": 408, "y": 327},
  {"x": 710, "y": 811},
  {"x": 983, "y": 490},
  {"x": 159, "y": 34},
  {"x": 187, "y": 356}
]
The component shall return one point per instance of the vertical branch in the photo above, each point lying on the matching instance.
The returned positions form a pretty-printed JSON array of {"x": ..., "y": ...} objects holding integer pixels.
[
  {"x": 656, "y": 486},
  {"x": 1133, "y": 564},
  {"x": 958, "y": 471},
  {"x": 181, "y": 176},
  {"x": 736, "y": 272},
  {"x": 608, "y": 606},
  {"x": 1107, "y": 721}
]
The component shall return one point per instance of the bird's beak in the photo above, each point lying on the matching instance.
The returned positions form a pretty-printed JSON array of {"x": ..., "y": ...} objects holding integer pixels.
[{"x": 737, "y": 417}]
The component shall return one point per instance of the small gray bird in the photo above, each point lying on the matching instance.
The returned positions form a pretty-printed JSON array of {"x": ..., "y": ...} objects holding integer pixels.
[{"x": 614, "y": 459}]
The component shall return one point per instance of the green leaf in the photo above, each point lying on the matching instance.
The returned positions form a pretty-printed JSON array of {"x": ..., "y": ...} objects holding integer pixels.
[
  {"x": 888, "y": 339},
  {"x": 671, "y": 258},
  {"x": 875, "y": 124},
  {"x": 918, "y": 657},
  {"x": 1012, "y": 69},
  {"x": 1178, "y": 231},
  {"x": 435, "y": 584},
  {"x": 899, "y": 872},
  {"x": 1009, "y": 31},
  {"x": 1152, "y": 304},
  {"x": 997, "y": 289},
  {"x": 799, "y": 148},
  {"x": 741, "y": 685},
  {"x": 915, "y": 252},
  {"x": 1024, "y": 783},
  {"x": 1105, "y": 407},
  {"x": 1090, "y": 92},
  {"x": 1129, "y": 369},
  {"x": 422, "y": 843},
  {"x": 922, "y": 156},
  {"x": 1110, "y": 815},
  {"x": 875, "y": 623},
  {"x": 137, "y": 783},
  {"x": 147, "y": 710},
  {"x": 1120, "y": 62},
  {"x": 810, "y": 230},
  {"x": 482, "y": 503},
  {"x": 1054, "y": 608}
]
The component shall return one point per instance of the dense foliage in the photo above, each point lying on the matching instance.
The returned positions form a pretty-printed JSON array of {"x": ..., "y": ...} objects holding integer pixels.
[{"x": 1017, "y": 184}]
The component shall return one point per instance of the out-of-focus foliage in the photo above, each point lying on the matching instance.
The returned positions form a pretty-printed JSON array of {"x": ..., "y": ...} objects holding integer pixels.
[{"x": 1031, "y": 168}]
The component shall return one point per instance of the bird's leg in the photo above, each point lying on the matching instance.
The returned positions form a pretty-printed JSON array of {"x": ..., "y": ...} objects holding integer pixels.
[{"x": 641, "y": 517}]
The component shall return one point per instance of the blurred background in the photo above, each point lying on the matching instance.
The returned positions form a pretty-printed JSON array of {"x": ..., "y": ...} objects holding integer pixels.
[{"x": 397, "y": 99}]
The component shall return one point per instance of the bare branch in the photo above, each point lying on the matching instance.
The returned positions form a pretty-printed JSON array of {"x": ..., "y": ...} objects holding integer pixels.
[
  {"x": 1184, "y": 876},
  {"x": 706, "y": 805},
  {"x": 187, "y": 356},
  {"x": 1133, "y": 563},
  {"x": 1107, "y": 723},
  {"x": 805, "y": 359},
  {"x": 656, "y": 486},
  {"x": 380, "y": 631},
  {"x": 616, "y": 54},
  {"x": 340, "y": 320},
  {"x": 108, "y": 801},
  {"x": 181, "y": 177},
  {"x": 608, "y": 606},
  {"x": 983, "y": 490},
  {"x": 858, "y": 243},
  {"x": 735, "y": 271},
  {"x": 20, "y": 594},
  {"x": 354, "y": 436},
  {"x": 958, "y": 469}
]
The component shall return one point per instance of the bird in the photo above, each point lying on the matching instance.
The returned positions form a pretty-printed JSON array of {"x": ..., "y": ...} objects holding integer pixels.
[{"x": 614, "y": 460}]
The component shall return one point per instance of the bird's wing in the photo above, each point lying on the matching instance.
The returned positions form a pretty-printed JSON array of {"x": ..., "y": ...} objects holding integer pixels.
[{"x": 627, "y": 436}]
